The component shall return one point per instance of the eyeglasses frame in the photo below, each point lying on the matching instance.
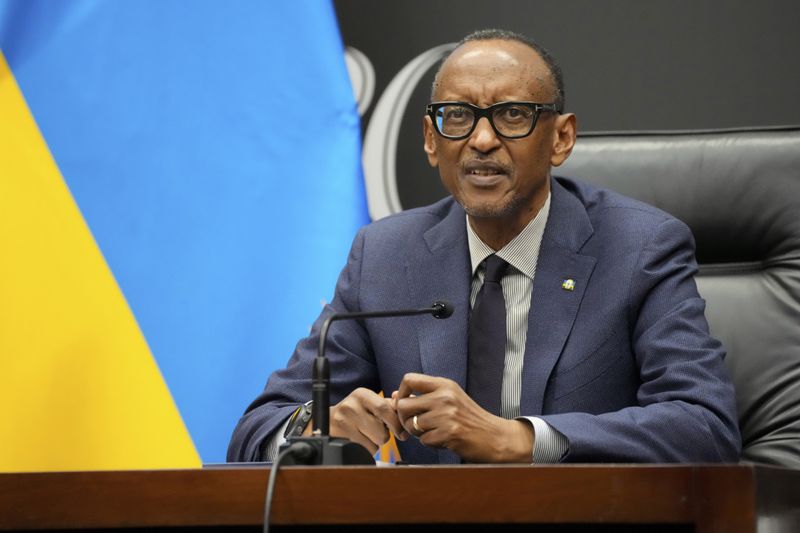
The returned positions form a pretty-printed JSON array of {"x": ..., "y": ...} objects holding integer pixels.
[{"x": 480, "y": 112}]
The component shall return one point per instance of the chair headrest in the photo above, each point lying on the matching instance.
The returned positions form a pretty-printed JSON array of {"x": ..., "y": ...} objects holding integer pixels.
[{"x": 739, "y": 191}]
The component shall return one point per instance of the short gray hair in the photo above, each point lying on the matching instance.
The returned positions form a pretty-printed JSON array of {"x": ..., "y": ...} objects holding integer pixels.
[{"x": 505, "y": 35}]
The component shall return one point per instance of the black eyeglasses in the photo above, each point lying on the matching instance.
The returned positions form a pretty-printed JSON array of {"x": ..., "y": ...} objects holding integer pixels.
[{"x": 513, "y": 120}]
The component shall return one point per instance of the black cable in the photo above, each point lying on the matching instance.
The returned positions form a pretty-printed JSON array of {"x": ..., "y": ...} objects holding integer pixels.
[{"x": 302, "y": 452}]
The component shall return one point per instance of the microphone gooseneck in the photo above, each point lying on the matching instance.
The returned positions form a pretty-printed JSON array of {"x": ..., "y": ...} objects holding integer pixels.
[
  {"x": 320, "y": 377},
  {"x": 320, "y": 448}
]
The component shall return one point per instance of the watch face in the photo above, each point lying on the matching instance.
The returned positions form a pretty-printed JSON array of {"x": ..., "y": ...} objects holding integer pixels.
[{"x": 298, "y": 422}]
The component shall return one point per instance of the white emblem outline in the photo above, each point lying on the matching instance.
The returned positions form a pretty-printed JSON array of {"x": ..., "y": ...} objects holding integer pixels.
[{"x": 379, "y": 155}]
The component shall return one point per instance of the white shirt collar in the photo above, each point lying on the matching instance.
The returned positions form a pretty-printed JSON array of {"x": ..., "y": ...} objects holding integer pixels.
[{"x": 523, "y": 250}]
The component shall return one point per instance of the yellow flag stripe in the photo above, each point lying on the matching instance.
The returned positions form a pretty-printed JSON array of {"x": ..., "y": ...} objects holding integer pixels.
[{"x": 79, "y": 388}]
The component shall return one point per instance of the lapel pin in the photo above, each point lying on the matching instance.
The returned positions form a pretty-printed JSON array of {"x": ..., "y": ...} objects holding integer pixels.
[{"x": 568, "y": 284}]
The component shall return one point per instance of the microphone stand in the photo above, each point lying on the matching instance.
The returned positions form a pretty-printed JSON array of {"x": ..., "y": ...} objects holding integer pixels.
[{"x": 320, "y": 448}]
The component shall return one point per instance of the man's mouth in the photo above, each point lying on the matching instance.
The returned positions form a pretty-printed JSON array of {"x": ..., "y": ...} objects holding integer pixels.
[{"x": 483, "y": 170}]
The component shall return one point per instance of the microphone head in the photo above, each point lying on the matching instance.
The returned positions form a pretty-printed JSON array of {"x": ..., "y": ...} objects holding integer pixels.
[{"x": 442, "y": 310}]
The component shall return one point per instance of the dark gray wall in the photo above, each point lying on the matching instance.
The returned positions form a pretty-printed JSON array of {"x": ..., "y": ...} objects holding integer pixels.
[{"x": 628, "y": 64}]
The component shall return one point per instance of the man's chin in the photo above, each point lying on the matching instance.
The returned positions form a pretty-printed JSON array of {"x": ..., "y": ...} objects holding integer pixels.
[{"x": 487, "y": 210}]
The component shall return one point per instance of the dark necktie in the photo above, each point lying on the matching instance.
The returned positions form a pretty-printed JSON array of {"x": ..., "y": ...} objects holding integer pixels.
[{"x": 487, "y": 339}]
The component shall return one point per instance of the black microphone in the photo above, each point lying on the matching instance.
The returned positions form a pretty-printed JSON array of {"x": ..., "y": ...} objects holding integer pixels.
[{"x": 333, "y": 450}]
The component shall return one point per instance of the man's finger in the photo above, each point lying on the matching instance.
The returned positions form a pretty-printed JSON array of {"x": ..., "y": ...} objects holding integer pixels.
[
  {"x": 377, "y": 413},
  {"x": 353, "y": 418},
  {"x": 433, "y": 438},
  {"x": 365, "y": 441},
  {"x": 384, "y": 411},
  {"x": 417, "y": 383},
  {"x": 374, "y": 429},
  {"x": 420, "y": 424},
  {"x": 406, "y": 408}
]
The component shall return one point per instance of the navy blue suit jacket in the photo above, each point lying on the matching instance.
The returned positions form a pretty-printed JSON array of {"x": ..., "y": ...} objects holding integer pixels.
[{"x": 622, "y": 365}]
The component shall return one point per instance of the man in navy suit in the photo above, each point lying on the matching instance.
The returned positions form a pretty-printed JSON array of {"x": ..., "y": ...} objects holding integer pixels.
[{"x": 606, "y": 354}]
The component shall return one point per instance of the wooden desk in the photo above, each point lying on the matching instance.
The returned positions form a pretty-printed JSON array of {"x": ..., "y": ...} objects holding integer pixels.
[{"x": 731, "y": 498}]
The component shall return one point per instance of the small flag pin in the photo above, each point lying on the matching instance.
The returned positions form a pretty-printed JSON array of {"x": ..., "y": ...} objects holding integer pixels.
[{"x": 568, "y": 284}]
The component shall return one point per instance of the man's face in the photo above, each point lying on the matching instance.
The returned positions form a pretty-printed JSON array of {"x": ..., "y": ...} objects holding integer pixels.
[{"x": 491, "y": 176}]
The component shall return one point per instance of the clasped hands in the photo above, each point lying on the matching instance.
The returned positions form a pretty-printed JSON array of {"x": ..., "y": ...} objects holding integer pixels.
[{"x": 445, "y": 416}]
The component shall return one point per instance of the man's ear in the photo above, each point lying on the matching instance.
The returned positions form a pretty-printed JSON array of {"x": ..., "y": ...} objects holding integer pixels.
[
  {"x": 565, "y": 132},
  {"x": 429, "y": 144}
]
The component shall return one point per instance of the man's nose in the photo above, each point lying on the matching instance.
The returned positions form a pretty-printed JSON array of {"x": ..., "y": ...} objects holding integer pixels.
[{"x": 484, "y": 139}]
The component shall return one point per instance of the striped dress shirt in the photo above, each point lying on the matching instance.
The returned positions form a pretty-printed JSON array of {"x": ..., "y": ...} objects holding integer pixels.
[{"x": 522, "y": 254}]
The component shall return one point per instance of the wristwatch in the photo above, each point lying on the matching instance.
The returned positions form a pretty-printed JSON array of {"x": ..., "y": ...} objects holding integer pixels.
[{"x": 298, "y": 421}]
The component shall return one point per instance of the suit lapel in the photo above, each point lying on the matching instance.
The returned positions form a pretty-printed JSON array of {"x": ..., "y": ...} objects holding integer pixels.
[
  {"x": 554, "y": 307},
  {"x": 443, "y": 273}
]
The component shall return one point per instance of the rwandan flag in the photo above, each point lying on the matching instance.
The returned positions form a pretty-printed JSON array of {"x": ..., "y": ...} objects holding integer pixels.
[{"x": 180, "y": 183}]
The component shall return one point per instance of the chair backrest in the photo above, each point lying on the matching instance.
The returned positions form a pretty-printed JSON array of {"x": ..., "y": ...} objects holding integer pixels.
[{"x": 739, "y": 192}]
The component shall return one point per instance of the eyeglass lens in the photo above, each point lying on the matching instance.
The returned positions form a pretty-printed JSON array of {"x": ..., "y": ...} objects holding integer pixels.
[{"x": 510, "y": 120}]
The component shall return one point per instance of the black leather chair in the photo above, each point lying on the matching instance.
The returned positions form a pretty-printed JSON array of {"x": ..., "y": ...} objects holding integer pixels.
[{"x": 739, "y": 192}]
